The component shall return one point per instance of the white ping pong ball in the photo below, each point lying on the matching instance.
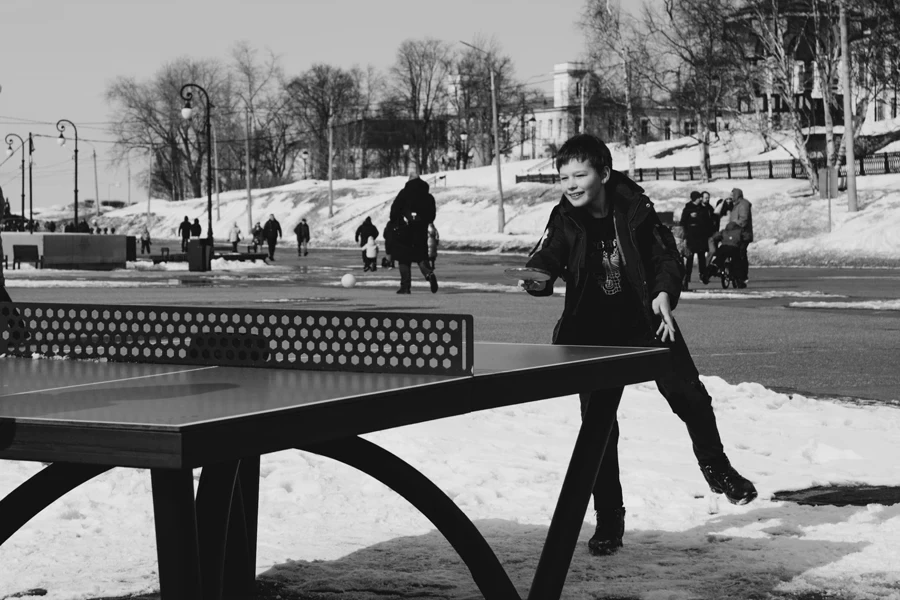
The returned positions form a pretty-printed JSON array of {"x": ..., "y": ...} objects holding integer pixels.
[{"x": 348, "y": 280}]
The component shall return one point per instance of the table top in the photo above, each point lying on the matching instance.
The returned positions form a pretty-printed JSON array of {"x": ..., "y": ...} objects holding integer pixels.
[{"x": 57, "y": 397}]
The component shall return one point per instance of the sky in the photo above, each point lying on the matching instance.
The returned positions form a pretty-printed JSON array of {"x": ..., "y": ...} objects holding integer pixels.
[{"x": 59, "y": 56}]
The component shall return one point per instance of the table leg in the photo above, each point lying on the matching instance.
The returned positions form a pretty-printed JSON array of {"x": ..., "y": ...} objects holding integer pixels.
[
  {"x": 568, "y": 518},
  {"x": 240, "y": 548},
  {"x": 177, "y": 544}
]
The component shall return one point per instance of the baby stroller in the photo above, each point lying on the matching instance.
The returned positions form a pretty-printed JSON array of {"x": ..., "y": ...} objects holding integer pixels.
[{"x": 722, "y": 263}]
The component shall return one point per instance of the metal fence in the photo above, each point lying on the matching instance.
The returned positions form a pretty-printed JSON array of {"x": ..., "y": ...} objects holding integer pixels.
[{"x": 873, "y": 164}]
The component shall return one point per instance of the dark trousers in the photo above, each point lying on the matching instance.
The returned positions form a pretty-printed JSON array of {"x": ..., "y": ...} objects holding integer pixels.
[
  {"x": 687, "y": 397},
  {"x": 742, "y": 264},
  {"x": 145, "y": 245},
  {"x": 272, "y": 248},
  {"x": 184, "y": 244},
  {"x": 689, "y": 264},
  {"x": 406, "y": 273},
  {"x": 234, "y": 246}
]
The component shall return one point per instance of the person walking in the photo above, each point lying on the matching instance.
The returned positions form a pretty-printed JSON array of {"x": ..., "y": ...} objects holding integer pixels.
[
  {"x": 370, "y": 253},
  {"x": 742, "y": 214},
  {"x": 434, "y": 238},
  {"x": 184, "y": 230},
  {"x": 363, "y": 233},
  {"x": 621, "y": 289},
  {"x": 234, "y": 236},
  {"x": 257, "y": 235},
  {"x": 302, "y": 233},
  {"x": 388, "y": 261},
  {"x": 196, "y": 229},
  {"x": 697, "y": 227},
  {"x": 145, "y": 240},
  {"x": 271, "y": 233},
  {"x": 411, "y": 212}
]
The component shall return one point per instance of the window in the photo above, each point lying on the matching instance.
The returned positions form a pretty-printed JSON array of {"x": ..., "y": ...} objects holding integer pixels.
[
  {"x": 667, "y": 130},
  {"x": 549, "y": 128},
  {"x": 645, "y": 128},
  {"x": 879, "y": 110},
  {"x": 690, "y": 128},
  {"x": 894, "y": 107},
  {"x": 559, "y": 128}
]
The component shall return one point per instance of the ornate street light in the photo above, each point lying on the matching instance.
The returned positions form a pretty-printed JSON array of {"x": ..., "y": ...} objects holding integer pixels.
[
  {"x": 305, "y": 156},
  {"x": 62, "y": 142},
  {"x": 186, "y": 113},
  {"x": 9, "y": 152},
  {"x": 465, "y": 148},
  {"x": 533, "y": 122},
  {"x": 406, "y": 158}
]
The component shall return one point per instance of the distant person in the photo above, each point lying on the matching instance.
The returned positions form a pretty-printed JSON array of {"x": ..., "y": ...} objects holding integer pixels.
[
  {"x": 742, "y": 214},
  {"x": 370, "y": 254},
  {"x": 234, "y": 236},
  {"x": 51, "y": 226},
  {"x": 145, "y": 240},
  {"x": 302, "y": 233},
  {"x": 411, "y": 212},
  {"x": 434, "y": 238},
  {"x": 713, "y": 218},
  {"x": 196, "y": 229},
  {"x": 184, "y": 230},
  {"x": 388, "y": 261},
  {"x": 725, "y": 244},
  {"x": 363, "y": 233},
  {"x": 271, "y": 233},
  {"x": 697, "y": 227},
  {"x": 83, "y": 227},
  {"x": 623, "y": 280},
  {"x": 257, "y": 232}
]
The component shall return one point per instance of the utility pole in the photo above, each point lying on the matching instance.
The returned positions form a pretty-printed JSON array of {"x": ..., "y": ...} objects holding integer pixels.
[
  {"x": 96, "y": 183},
  {"x": 848, "y": 111},
  {"x": 128, "y": 164},
  {"x": 216, "y": 169},
  {"x": 30, "y": 187},
  {"x": 247, "y": 160},
  {"x": 150, "y": 184},
  {"x": 581, "y": 87},
  {"x": 330, "y": 164}
]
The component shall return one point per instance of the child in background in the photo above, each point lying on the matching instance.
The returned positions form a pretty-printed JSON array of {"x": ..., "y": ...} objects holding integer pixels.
[
  {"x": 371, "y": 253},
  {"x": 433, "y": 240}
]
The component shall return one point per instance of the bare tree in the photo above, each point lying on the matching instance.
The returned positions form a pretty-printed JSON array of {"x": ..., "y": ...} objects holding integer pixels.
[
  {"x": 420, "y": 80},
  {"x": 616, "y": 48},
  {"x": 319, "y": 99},
  {"x": 695, "y": 66}
]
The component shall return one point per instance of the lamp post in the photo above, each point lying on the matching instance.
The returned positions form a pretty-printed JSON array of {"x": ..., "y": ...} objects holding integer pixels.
[
  {"x": 465, "y": 148},
  {"x": 501, "y": 217},
  {"x": 305, "y": 156},
  {"x": 406, "y": 158},
  {"x": 9, "y": 151},
  {"x": 533, "y": 123},
  {"x": 186, "y": 113},
  {"x": 62, "y": 142}
]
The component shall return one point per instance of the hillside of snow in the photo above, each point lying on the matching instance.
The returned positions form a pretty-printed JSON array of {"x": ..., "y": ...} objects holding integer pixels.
[{"x": 791, "y": 226}]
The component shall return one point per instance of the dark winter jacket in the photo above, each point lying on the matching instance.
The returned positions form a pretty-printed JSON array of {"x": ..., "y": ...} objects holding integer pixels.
[
  {"x": 365, "y": 231},
  {"x": 742, "y": 214},
  {"x": 650, "y": 257},
  {"x": 272, "y": 230},
  {"x": 302, "y": 231},
  {"x": 185, "y": 228},
  {"x": 697, "y": 226},
  {"x": 413, "y": 209},
  {"x": 196, "y": 228}
]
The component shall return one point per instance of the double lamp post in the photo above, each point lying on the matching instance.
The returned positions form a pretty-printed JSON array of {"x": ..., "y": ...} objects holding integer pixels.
[{"x": 186, "y": 113}]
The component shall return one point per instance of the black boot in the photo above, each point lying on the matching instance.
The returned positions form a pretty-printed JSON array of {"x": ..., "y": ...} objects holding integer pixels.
[
  {"x": 723, "y": 479},
  {"x": 403, "y": 290},
  {"x": 432, "y": 280},
  {"x": 607, "y": 538}
]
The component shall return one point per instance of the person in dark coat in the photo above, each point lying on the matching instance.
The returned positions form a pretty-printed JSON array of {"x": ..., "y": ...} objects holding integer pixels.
[
  {"x": 363, "y": 233},
  {"x": 302, "y": 233},
  {"x": 388, "y": 261},
  {"x": 697, "y": 227},
  {"x": 623, "y": 279},
  {"x": 271, "y": 232},
  {"x": 413, "y": 209},
  {"x": 196, "y": 228}
]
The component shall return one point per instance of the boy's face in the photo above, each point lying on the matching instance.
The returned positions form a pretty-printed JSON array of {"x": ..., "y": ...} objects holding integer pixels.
[{"x": 581, "y": 182}]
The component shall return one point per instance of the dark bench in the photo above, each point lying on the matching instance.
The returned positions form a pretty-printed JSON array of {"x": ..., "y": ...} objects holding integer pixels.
[
  {"x": 28, "y": 254},
  {"x": 263, "y": 256},
  {"x": 166, "y": 256}
]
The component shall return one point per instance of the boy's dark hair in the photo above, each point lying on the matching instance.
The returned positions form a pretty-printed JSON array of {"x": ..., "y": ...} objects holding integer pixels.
[{"x": 585, "y": 147}]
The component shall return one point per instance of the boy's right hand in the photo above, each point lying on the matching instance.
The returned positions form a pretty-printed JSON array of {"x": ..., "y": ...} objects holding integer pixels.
[{"x": 533, "y": 286}]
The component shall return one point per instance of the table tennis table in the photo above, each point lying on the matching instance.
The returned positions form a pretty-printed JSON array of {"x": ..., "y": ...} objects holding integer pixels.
[{"x": 171, "y": 389}]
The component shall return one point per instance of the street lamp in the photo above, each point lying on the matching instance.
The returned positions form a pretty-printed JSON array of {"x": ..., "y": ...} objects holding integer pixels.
[
  {"x": 62, "y": 142},
  {"x": 406, "y": 158},
  {"x": 501, "y": 217},
  {"x": 9, "y": 152},
  {"x": 186, "y": 113},
  {"x": 305, "y": 156},
  {"x": 465, "y": 148},
  {"x": 533, "y": 122}
]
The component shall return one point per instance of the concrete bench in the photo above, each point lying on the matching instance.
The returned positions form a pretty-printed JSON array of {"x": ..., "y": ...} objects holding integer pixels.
[{"x": 28, "y": 254}]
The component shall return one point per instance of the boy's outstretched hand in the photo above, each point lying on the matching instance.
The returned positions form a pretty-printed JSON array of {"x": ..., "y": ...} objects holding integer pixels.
[
  {"x": 532, "y": 285},
  {"x": 666, "y": 327}
]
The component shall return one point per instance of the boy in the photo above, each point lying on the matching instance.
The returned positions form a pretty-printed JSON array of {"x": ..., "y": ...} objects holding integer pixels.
[{"x": 623, "y": 277}]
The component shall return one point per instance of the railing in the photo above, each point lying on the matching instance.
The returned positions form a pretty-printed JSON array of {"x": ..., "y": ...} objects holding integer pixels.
[{"x": 873, "y": 164}]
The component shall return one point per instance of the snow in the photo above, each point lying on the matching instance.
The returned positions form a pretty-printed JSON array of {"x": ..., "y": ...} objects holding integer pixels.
[{"x": 321, "y": 521}]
